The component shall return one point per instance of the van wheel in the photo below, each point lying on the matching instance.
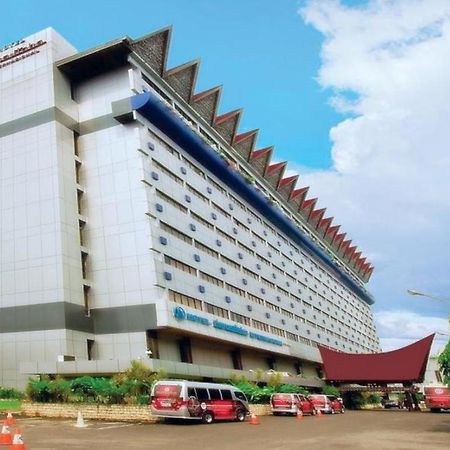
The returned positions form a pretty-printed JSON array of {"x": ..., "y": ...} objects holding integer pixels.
[
  {"x": 240, "y": 415},
  {"x": 208, "y": 417}
]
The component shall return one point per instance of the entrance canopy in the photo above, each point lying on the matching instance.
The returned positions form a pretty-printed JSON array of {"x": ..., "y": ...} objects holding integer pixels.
[{"x": 405, "y": 365}]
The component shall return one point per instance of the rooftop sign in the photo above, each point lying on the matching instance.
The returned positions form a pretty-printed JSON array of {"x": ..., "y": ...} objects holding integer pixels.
[{"x": 20, "y": 52}]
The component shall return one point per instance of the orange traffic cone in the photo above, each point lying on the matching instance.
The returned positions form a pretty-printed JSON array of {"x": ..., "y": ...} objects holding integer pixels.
[
  {"x": 17, "y": 443},
  {"x": 254, "y": 420},
  {"x": 299, "y": 414},
  {"x": 10, "y": 419},
  {"x": 5, "y": 435}
]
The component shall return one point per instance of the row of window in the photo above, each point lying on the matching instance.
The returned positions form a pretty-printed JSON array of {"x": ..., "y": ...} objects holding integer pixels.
[{"x": 226, "y": 236}]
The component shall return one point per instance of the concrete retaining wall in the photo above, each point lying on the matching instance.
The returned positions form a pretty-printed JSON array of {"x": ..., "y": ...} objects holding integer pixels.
[{"x": 115, "y": 413}]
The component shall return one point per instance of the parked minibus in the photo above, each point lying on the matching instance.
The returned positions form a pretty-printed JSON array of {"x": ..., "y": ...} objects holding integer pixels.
[
  {"x": 437, "y": 398},
  {"x": 199, "y": 401}
]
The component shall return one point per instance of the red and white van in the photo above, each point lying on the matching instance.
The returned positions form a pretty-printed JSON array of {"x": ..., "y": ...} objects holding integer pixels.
[
  {"x": 321, "y": 403},
  {"x": 290, "y": 404},
  {"x": 199, "y": 401},
  {"x": 437, "y": 398},
  {"x": 337, "y": 405}
]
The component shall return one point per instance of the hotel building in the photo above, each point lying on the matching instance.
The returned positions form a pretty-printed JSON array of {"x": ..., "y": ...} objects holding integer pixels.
[{"x": 138, "y": 223}]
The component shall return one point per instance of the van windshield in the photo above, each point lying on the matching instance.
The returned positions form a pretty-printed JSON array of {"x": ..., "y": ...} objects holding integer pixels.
[{"x": 168, "y": 390}]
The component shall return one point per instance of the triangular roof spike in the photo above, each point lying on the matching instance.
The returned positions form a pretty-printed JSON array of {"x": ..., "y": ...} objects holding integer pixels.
[
  {"x": 331, "y": 232},
  {"x": 369, "y": 272},
  {"x": 244, "y": 136},
  {"x": 244, "y": 143},
  {"x": 307, "y": 206},
  {"x": 183, "y": 78},
  {"x": 288, "y": 181},
  {"x": 359, "y": 263},
  {"x": 324, "y": 224},
  {"x": 344, "y": 246},
  {"x": 207, "y": 102},
  {"x": 274, "y": 173},
  {"x": 350, "y": 252},
  {"x": 365, "y": 266},
  {"x": 355, "y": 258},
  {"x": 259, "y": 159},
  {"x": 153, "y": 48},
  {"x": 316, "y": 215},
  {"x": 299, "y": 194},
  {"x": 227, "y": 124},
  {"x": 275, "y": 167},
  {"x": 286, "y": 186},
  {"x": 338, "y": 240}
]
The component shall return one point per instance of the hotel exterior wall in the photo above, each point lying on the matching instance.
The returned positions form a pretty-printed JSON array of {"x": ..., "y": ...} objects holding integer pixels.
[{"x": 183, "y": 251}]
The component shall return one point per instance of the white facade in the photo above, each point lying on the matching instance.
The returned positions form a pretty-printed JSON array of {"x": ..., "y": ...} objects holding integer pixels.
[{"x": 108, "y": 226}]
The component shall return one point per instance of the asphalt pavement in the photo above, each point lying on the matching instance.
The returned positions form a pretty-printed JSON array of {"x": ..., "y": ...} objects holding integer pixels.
[{"x": 354, "y": 430}]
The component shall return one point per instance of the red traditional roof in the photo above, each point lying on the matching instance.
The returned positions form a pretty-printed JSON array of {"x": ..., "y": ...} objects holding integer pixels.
[{"x": 405, "y": 365}]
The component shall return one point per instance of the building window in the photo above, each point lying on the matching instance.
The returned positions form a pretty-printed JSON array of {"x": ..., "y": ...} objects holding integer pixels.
[
  {"x": 216, "y": 310},
  {"x": 184, "y": 347},
  {"x": 185, "y": 300}
]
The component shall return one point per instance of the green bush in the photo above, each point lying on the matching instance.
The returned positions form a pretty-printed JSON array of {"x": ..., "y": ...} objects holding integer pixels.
[
  {"x": 132, "y": 386},
  {"x": 11, "y": 393},
  {"x": 331, "y": 390},
  {"x": 373, "y": 398},
  {"x": 39, "y": 390}
]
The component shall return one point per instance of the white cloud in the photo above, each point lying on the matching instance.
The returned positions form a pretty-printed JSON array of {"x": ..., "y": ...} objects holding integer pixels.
[
  {"x": 387, "y": 64},
  {"x": 400, "y": 328}
]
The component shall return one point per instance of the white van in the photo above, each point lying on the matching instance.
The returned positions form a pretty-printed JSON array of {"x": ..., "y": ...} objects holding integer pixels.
[{"x": 199, "y": 401}]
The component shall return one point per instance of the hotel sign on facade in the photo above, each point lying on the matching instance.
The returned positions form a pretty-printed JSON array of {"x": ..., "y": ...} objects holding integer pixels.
[{"x": 18, "y": 51}]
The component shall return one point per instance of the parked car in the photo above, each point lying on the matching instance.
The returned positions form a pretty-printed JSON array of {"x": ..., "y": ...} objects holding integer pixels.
[
  {"x": 198, "y": 401},
  {"x": 291, "y": 404},
  {"x": 389, "y": 404},
  {"x": 337, "y": 405},
  {"x": 321, "y": 403},
  {"x": 437, "y": 398}
]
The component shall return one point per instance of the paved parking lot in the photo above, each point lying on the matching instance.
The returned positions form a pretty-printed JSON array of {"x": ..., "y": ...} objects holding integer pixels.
[{"x": 360, "y": 430}]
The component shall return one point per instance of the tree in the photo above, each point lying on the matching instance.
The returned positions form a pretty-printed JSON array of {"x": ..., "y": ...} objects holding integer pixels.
[{"x": 444, "y": 363}]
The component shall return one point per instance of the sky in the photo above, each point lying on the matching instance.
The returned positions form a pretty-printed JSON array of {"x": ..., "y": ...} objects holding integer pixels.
[{"x": 353, "y": 93}]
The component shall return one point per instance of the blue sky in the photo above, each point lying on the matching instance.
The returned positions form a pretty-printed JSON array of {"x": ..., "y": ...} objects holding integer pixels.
[
  {"x": 260, "y": 50},
  {"x": 381, "y": 168}
]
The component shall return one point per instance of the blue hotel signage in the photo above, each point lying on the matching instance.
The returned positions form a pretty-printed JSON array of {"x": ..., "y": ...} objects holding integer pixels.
[{"x": 180, "y": 314}]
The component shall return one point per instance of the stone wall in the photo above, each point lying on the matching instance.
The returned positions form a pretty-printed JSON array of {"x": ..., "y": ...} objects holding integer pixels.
[{"x": 116, "y": 413}]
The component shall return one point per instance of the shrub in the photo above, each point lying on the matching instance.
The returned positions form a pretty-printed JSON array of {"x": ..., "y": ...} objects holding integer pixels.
[
  {"x": 39, "y": 390},
  {"x": 331, "y": 390},
  {"x": 11, "y": 393},
  {"x": 60, "y": 390},
  {"x": 373, "y": 398},
  {"x": 353, "y": 400},
  {"x": 84, "y": 387}
]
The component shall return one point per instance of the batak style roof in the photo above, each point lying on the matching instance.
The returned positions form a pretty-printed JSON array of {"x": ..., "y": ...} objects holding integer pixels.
[{"x": 405, "y": 365}]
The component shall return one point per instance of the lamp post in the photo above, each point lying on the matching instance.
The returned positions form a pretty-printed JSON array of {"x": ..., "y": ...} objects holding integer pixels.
[
  {"x": 433, "y": 297},
  {"x": 422, "y": 294}
]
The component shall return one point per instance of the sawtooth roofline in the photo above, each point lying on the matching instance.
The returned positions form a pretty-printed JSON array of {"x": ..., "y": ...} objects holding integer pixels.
[
  {"x": 152, "y": 49},
  {"x": 166, "y": 120}
]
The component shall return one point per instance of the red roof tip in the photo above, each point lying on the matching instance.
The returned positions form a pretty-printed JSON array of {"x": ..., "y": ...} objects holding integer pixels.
[
  {"x": 288, "y": 180},
  {"x": 308, "y": 203},
  {"x": 259, "y": 153},
  {"x": 243, "y": 136},
  {"x": 203, "y": 94},
  {"x": 275, "y": 167},
  {"x": 317, "y": 213},
  {"x": 222, "y": 118},
  {"x": 299, "y": 191}
]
